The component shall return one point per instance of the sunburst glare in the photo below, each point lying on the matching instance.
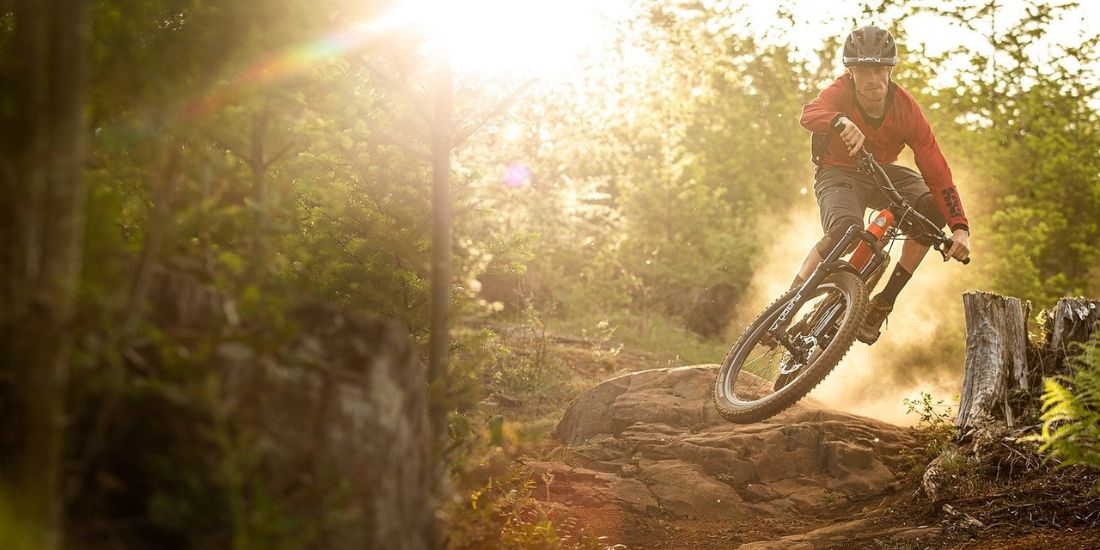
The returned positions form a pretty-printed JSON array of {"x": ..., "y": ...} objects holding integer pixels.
[{"x": 528, "y": 37}]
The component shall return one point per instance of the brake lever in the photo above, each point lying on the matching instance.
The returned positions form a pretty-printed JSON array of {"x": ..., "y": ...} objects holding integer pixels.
[
  {"x": 942, "y": 247},
  {"x": 864, "y": 163}
]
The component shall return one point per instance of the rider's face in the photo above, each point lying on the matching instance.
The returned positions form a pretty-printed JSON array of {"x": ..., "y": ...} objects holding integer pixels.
[{"x": 871, "y": 82}]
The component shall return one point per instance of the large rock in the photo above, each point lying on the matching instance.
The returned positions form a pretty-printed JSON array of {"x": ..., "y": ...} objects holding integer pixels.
[
  {"x": 317, "y": 429},
  {"x": 343, "y": 412},
  {"x": 652, "y": 441},
  {"x": 673, "y": 397}
]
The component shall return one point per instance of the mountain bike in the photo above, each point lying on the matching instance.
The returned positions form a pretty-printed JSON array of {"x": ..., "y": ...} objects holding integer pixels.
[{"x": 797, "y": 340}]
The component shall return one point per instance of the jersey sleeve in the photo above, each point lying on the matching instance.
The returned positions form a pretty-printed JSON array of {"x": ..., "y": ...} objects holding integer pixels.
[
  {"x": 819, "y": 114},
  {"x": 936, "y": 172}
]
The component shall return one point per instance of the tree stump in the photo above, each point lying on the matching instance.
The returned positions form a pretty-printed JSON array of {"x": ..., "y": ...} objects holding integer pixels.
[
  {"x": 712, "y": 310},
  {"x": 996, "y": 358},
  {"x": 1073, "y": 320}
]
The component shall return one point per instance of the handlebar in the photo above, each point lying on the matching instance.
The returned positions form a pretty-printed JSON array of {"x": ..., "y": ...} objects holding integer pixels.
[{"x": 866, "y": 163}]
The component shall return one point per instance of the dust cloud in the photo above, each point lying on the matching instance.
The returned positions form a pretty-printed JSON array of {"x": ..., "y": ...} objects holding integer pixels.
[{"x": 922, "y": 348}]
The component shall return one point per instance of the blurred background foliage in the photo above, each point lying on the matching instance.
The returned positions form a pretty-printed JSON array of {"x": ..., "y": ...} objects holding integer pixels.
[{"x": 642, "y": 188}]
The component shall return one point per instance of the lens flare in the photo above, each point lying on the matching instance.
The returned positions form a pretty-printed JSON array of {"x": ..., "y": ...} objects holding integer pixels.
[
  {"x": 293, "y": 60},
  {"x": 517, "y": 175}
]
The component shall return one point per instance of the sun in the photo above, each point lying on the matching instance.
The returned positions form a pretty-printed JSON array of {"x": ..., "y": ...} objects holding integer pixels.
[{"x": 533, "y": 38}]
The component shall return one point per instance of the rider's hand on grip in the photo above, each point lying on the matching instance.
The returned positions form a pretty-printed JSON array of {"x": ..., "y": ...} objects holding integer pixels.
[
  {"x": 959, "y": 246},
  {"x": 851, "y": 134},
  {"x": 946, "y": 256}
]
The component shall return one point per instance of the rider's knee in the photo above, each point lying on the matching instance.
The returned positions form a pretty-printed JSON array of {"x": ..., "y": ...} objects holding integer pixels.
[
  {"x": 836, "y": 233},
  {"x": 928, "y": 208}
]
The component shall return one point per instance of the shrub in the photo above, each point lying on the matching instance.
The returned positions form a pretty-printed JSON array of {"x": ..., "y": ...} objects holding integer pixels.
[
  {"x": 1071, "y": 411},
  {"x": 934, "y": 429}
]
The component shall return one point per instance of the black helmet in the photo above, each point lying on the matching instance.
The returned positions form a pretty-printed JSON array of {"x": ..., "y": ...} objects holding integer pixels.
[{"x": 870, "y": 46}]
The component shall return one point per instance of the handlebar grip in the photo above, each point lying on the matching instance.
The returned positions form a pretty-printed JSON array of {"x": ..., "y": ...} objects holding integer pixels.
[
  {"x": 943, "y": 245},
  {"x": 942, "y": 248}
]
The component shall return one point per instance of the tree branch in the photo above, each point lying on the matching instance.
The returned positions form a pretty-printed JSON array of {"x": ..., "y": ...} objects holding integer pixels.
[{"x": 492, "y": 113}]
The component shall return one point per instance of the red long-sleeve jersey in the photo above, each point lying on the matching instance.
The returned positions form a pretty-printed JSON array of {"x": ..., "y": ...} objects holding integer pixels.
[{"x": 902, "y": 124}]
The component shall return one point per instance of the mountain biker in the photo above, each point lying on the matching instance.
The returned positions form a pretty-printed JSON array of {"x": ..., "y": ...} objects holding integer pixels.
[{"x": 877, "y": 114}]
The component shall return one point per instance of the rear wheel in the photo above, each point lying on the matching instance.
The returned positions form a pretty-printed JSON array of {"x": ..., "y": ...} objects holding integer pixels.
[{"x": 759, "y": 378}]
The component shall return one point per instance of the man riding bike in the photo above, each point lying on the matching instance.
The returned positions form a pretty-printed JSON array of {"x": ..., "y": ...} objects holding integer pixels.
[{"x": 877, "y": 114}]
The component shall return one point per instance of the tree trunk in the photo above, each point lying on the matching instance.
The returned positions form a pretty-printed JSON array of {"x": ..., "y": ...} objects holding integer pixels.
[
  {"x": 258, "y": 164},
  {"x": 160, "y": 217},
  {"x": 996, "y": 358},
  {"x": 42, "y": 217},
  {"x": 442, "y": 140},
  {"x": 442, "y": 247}
]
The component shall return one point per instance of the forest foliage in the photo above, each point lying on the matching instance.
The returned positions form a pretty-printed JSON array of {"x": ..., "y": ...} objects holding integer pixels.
[{"x": 233, "y": 147}]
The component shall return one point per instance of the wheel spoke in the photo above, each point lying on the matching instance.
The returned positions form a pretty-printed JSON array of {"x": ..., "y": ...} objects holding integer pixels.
[{"x": 749, "y": 364}]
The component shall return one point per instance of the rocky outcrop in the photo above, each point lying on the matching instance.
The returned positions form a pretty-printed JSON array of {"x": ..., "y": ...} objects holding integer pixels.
[
  {"x": 344, "y": 412},
  {"x": 308, "y": 426},
  {"x": 651, "y": 442}
]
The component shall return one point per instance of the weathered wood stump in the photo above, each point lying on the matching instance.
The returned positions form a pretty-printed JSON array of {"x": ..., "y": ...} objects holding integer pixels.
[
  {"x": 996, "y": 357},
  {"x": 1072, "y": 321},
  {"x": 1004, "y": 372},
  {"x": 1002, "y": 366}
]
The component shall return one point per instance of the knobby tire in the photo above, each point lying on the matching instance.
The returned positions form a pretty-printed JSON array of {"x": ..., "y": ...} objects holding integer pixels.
[{"x": 855, "y": 296}]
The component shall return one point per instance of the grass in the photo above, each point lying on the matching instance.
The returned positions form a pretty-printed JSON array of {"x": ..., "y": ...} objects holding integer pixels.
[{"x": 653, "y": 333}]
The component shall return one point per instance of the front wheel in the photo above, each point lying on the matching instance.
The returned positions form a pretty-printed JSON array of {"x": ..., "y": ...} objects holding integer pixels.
[{"x": 759, "y": 378}]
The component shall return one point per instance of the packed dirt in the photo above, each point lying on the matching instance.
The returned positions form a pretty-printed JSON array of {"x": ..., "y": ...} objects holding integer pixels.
[{"x": 645, "y": 461}]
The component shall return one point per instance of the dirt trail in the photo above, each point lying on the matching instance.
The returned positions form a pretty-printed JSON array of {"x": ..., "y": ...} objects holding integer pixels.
[
  {"x": 649, "y": 463},
  {"x": 646, "y": 461}
]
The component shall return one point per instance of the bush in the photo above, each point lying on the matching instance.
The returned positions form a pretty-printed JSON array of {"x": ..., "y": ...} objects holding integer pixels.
[
  {"x": 934, "y": 430},
  {"x": 1071, "y": 411}
]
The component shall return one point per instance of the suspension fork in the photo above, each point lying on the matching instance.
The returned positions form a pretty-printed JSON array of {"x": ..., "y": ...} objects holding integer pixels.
[{"x": 829, "y": 265}]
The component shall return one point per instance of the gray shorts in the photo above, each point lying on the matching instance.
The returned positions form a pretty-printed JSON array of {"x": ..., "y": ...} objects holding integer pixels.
[{"x": 843, "y": 194}]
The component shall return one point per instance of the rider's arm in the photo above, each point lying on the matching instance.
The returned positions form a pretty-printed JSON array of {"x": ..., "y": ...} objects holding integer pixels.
[
  {"x": 819, "y": 115},
  {"x": 934, "y": 168}
]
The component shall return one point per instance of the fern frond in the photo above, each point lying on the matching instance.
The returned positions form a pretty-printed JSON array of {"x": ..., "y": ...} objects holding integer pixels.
[{"x": 1071, "y": 411}]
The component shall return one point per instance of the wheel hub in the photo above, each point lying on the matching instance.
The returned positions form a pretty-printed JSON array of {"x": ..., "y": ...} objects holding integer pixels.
[{"x": 790, "y": 363}]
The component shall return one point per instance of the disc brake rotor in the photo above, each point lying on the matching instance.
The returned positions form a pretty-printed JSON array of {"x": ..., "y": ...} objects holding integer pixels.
[{"x": 789, "y": 364}]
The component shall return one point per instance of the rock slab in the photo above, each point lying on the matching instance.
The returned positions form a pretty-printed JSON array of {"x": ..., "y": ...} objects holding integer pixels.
[{"x": 652, "y": 442}]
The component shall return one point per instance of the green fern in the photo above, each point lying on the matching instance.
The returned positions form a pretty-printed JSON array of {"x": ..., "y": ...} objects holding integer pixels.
[{"x": 1071, "y": 411}]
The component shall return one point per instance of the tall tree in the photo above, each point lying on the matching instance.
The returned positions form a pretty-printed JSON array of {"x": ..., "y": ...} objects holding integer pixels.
[{"x": 42, "y": 215}]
